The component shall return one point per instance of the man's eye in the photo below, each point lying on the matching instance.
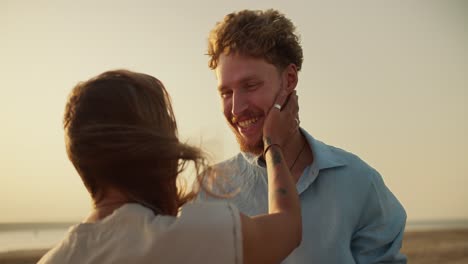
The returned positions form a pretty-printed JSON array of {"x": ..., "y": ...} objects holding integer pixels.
[{"x": 251, "y": 86}]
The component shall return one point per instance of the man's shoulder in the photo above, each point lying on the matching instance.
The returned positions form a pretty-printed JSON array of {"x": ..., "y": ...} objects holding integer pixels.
[
  {"x": 227, "y": 171},
  {"x": 235, "y": 160},
  {"x": 352, "y": 163},
  {"x": 356, "y": 178},
  {"x": 230, "y": 178},
  {"x": 235, "y": 165}
]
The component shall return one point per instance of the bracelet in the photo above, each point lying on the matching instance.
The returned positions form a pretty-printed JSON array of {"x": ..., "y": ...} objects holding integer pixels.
[{"x": 268, "y": 147}]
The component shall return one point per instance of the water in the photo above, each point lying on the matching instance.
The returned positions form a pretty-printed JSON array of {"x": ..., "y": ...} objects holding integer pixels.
[
  {"x": 21, "y": 236},
  {"x": 31, "y": 236}
]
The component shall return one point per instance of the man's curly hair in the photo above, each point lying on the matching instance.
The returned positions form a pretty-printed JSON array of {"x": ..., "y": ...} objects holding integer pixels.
[{"x": 260, "y": 34}]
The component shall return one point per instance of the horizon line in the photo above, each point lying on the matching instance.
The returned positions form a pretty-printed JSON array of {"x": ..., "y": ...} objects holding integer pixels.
[{"x": 410, "y": 225}]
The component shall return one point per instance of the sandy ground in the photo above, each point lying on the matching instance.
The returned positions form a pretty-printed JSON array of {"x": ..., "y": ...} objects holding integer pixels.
[
  {"x": 428, "y": 247},
  {"x": 21, "y": 256}
]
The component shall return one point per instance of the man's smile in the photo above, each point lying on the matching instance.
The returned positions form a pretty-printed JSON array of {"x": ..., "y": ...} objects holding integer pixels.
[
  {"x": 248, "y": 126},
  {"x": 247, "y": 123}
]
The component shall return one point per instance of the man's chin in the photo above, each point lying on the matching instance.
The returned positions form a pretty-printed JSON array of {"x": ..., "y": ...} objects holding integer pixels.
[{"x": 256, "y": 149}]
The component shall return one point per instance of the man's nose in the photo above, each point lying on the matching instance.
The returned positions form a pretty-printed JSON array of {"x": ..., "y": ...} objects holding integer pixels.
[{"x": 239, "y": 104}]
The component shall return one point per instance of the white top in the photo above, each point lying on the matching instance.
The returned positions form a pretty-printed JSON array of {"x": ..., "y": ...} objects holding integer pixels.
[{"x": 202, "y": 233}]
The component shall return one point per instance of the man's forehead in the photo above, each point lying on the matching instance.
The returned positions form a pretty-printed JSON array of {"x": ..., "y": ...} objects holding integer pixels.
[{"x": 236, "y": 69}]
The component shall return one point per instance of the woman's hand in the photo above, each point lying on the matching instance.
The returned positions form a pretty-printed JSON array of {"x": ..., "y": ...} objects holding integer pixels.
[
  {"x": 281, "y": 124},
  {"x": 284, "y": 209}
]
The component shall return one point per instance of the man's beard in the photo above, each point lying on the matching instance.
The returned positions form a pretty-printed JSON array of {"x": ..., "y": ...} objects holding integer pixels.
[{"x": 256, "y": 149}]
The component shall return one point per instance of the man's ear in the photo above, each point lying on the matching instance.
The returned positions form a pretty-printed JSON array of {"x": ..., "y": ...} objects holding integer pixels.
[{"x": 290, "y": 78}]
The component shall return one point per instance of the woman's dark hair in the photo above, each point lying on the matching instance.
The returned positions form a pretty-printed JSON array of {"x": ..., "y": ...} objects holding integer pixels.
[{"x": 121, "y": 132}]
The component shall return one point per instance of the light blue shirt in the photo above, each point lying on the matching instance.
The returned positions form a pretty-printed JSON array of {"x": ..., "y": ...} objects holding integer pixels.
[{"x": 348, "y": 214}]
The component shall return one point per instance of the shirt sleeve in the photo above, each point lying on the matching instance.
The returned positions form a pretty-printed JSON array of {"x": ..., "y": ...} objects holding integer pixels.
[
  {"x": 205, "y": 232},
  {"x": 379, "y": 236}
]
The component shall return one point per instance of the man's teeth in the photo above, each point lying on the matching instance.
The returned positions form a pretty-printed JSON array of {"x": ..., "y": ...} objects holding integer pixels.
[{"x": 247, "y": 123}]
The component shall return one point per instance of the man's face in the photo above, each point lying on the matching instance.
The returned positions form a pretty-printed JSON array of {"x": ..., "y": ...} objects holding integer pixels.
[{"x": 248, "y": 87}]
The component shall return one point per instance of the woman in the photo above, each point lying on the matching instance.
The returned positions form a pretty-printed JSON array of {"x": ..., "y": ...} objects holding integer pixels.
[{"x": 121, "y": 136}]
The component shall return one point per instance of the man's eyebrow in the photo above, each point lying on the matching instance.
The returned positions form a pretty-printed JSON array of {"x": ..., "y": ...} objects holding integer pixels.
[
  {"x": 243, "y": 80},
  {"x": 249, "y": 78}
]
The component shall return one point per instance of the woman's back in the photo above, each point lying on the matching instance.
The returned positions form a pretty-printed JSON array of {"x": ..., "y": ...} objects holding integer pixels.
[
  {"x": 134, "y": 234},
  {"x": 121, "y": 136}
]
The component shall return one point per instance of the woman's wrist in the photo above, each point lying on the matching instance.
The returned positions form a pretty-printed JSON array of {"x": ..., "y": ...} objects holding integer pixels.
[{"x": 268, "y": 147}]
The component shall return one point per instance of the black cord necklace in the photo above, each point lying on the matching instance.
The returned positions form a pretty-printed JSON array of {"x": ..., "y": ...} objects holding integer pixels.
[{"x": 297, "y": 157}]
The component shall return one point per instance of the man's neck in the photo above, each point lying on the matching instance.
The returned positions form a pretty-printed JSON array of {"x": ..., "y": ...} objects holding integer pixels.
[{"x": 298, "y": 154}]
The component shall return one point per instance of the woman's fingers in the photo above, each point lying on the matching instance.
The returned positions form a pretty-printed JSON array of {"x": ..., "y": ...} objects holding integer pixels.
[
  {"x": 281, "y": 100},
  {"x": 292, "y": 109},
  {"x": 292, "y": 105},
  {"x": 282, "y": 119}
]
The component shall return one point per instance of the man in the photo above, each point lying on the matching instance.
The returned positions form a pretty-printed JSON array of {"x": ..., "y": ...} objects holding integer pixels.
[{"x": 348, "y": 214}]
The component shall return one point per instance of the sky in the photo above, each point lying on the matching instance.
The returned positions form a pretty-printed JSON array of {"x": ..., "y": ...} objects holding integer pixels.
[{"x": 386, "y": 80}]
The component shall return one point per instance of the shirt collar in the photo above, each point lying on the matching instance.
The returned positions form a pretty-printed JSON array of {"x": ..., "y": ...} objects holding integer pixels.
[{"x": 324, "y": 157}]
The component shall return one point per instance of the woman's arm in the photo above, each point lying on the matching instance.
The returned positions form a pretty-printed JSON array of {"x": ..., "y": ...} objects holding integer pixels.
[{"x": 271, "y": 238}]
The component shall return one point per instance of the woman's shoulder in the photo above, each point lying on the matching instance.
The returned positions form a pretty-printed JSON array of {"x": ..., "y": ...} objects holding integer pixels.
[
  {"x": 198, "y": 207},
  {"x": 199, "y": 214},
  {"x": 209, "y": 231},
  {"x": 61, "y": 252}
]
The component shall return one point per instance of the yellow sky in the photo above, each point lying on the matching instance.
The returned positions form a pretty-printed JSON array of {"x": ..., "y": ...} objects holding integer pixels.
[{"x": 387, "y": 80}]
